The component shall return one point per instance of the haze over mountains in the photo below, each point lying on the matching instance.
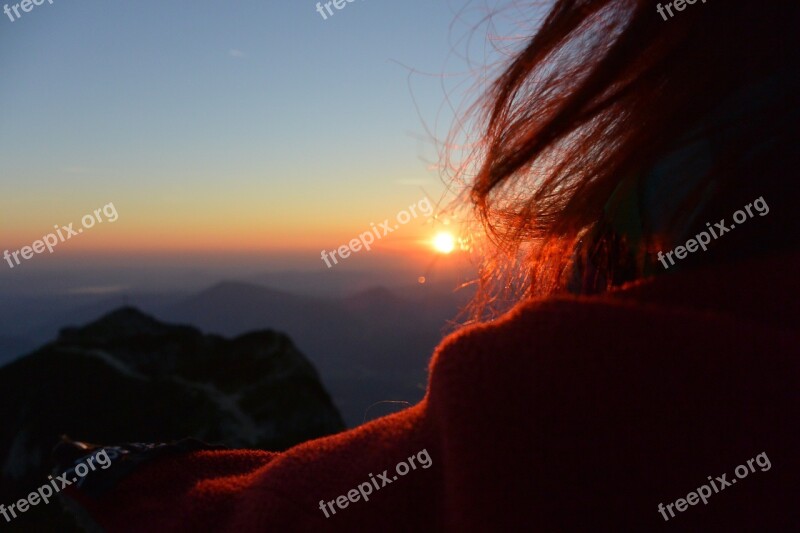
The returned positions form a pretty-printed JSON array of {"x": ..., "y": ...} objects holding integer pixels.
[{"x": 368, "y": 344}]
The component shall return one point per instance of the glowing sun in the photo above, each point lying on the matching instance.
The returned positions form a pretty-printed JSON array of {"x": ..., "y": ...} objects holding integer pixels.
[{"x": 444, "y": 242}]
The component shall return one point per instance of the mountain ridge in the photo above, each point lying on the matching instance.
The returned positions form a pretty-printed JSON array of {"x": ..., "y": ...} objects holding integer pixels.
[{"x": 128, "y": 377}]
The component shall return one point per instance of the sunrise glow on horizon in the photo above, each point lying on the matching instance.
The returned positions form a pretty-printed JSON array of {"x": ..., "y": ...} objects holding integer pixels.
[{"x": 204, "y": 149}]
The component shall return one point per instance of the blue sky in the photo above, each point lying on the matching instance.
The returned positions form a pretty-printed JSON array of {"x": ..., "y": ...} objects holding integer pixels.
[{"x": 251, "y": 122}]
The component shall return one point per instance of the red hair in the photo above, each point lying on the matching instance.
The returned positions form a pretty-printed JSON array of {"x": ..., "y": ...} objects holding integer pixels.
[{"x": 603, "y": 90}]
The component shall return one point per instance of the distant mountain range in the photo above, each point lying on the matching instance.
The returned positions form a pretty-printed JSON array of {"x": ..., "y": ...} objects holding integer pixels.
[
  {"x": 130, "y": 378},
  {"x": 369, "y": 346}
]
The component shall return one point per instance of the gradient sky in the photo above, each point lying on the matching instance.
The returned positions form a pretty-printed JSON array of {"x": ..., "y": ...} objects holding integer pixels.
[{"x": 240, "y": 126}]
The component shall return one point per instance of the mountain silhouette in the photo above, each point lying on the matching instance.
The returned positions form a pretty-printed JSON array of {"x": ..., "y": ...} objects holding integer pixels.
[
  {"x": 129, "y": 378},
  {"x": 368, "y": 347}
]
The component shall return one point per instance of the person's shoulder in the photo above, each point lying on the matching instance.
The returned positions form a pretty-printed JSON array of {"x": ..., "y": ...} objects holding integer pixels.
[
  {"x": 678, "y": 322},
  {"x": 570, "y": 327},
  {"x": 645, "y": 388}
]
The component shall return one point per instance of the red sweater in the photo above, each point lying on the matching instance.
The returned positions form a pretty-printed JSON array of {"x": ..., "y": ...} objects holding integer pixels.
[{"x": 570, "y": 414}]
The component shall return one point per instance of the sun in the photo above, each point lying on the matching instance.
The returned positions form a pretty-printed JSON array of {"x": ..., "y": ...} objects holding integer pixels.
[{"x": 444, "y": 242}]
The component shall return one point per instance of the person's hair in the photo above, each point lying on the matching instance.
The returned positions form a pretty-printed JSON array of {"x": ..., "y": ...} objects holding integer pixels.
[{"x": 604, "y": 89}]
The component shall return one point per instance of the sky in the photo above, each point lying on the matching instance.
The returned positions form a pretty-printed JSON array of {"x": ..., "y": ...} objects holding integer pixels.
[{"x": 232, "y": 129}]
